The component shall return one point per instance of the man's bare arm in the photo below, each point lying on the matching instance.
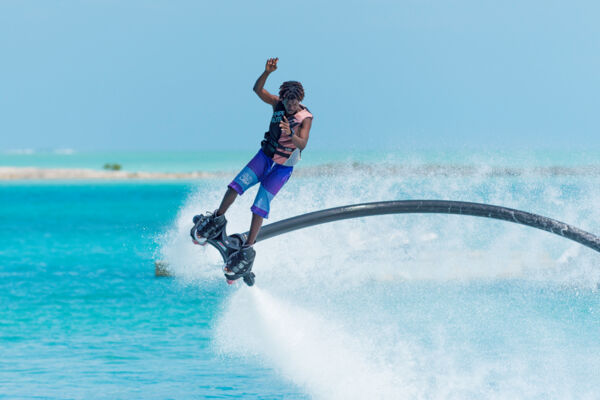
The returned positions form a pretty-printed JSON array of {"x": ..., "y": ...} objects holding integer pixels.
[
  {"x": 259, "y": 86},
  {"x": 300, "y": 137}
]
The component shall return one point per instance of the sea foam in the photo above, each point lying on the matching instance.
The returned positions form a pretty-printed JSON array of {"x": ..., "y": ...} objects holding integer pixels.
[{"x": 409, "y": 306}]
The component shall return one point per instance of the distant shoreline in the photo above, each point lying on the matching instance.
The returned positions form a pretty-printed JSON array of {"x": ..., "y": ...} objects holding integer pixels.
[
  {"x": 331, "y": 169},
  {"x": 31, "y": 173}
]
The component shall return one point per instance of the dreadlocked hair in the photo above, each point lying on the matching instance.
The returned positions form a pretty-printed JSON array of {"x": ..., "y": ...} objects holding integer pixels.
[{"x": 291, "y": 90}]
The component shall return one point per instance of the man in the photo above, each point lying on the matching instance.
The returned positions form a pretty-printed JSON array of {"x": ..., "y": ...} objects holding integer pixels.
[{"x": 272, "y": 166}]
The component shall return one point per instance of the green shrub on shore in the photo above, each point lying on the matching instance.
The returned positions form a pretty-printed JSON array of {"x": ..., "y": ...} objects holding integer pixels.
[{"x": 112, "y": 167}]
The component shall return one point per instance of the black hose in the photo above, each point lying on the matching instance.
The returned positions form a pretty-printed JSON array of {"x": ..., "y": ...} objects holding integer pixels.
[{"x": 430, "y": 207}]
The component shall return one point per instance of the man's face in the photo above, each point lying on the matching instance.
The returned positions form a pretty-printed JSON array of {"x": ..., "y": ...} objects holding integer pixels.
[{"x": 292, "y": 106}]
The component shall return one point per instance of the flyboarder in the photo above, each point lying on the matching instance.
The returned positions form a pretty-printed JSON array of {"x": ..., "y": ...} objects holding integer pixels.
[{"x": 272, "y": 166}]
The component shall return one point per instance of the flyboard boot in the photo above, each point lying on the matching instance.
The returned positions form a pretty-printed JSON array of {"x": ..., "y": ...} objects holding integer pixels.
[
  {"x": 206, "y": 227},
  {"x": 211, "y": 229},
  {"x": 239, "y": 265}
]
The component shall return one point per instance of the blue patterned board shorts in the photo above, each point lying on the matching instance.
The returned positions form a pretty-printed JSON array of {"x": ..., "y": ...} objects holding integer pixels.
[{"x": 271, "y": 176}]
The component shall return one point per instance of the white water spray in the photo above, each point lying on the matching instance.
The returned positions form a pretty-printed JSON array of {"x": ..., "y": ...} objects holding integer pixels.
[
  {"x": 317, "y": 354},
  {"x": 406, "y": 306}
]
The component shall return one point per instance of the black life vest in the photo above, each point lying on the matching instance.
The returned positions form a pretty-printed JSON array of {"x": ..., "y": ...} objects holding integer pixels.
[{"x": 270, "y": 145}]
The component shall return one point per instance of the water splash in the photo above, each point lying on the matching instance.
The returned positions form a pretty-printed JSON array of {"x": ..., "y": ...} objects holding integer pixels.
[
  {"x": 313, "y": 352},
  {"x": 413, "y": 306}
]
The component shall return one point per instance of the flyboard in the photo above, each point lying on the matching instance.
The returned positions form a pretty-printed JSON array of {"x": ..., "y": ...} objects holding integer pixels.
[{"x": 228, "y": 244}]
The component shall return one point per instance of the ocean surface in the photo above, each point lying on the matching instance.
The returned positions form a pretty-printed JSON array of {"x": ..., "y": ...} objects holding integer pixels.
[{"x": 386, "y": 307}]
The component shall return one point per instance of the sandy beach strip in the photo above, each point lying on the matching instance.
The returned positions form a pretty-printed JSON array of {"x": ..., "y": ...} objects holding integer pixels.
[
  {"x": 30, "y": 173},
  {"x": 323, "y": 170}
]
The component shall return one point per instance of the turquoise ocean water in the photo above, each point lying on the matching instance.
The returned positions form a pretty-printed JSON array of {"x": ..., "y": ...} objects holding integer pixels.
[{"x": 389, "y": 307}]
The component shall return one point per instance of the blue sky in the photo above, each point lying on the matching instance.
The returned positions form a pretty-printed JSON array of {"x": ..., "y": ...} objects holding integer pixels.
[{"x": 177, "y": 75}]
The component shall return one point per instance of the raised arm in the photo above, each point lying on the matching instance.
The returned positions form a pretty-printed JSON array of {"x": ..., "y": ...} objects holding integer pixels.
[{"x": 259, "y": 86}]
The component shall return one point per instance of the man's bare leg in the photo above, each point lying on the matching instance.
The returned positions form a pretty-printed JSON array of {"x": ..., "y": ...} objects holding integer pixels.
[
  {"x": 255, "y": 225},
  {"x": 228, "y": 199}
]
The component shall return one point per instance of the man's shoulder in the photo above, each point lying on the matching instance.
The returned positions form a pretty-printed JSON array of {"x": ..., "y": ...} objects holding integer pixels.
[{"x": 304, "y": 113}]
